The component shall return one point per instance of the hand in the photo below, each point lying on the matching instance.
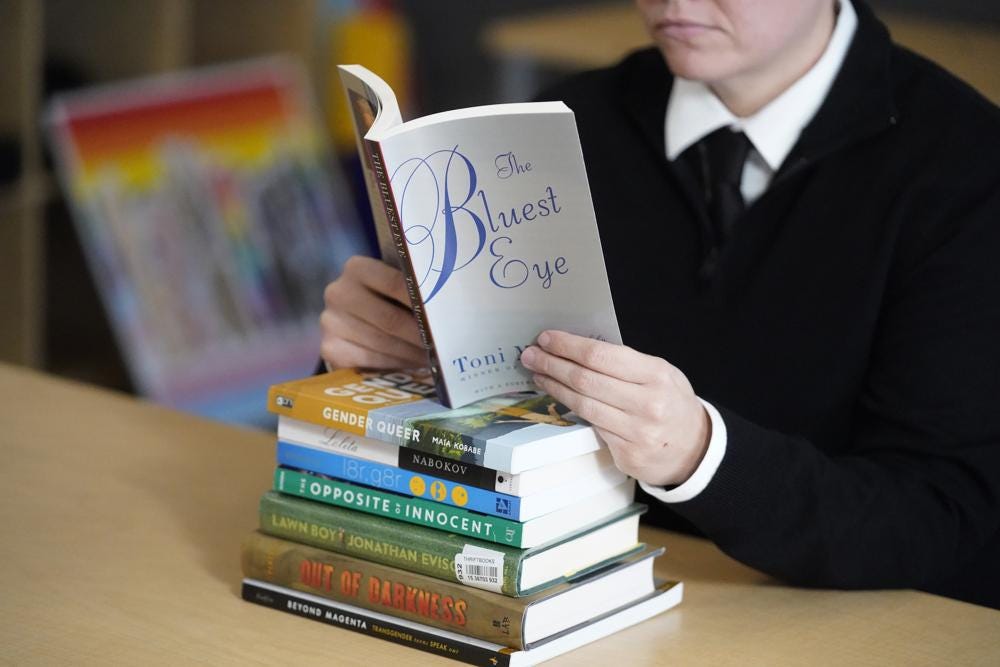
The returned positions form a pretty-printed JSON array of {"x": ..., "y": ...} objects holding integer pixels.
[
  {"x": 367, "y": 321},
  {"x": 641, "y": 406}
]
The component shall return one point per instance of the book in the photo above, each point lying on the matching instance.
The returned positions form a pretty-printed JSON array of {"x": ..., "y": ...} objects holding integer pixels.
[
  {"x": 527, "y": 483},
  {"x": 488, "y": 213},
  {"x": 514, "y": 622},
  {"x": 211, "y": 215},
  {"x": 392, "y": 478},
  {"x": 523, "y": 534},
  {"x": 511, "y": 433},
  {"x": 449, "y": 556},
  {"x": 451, "y": 644}
]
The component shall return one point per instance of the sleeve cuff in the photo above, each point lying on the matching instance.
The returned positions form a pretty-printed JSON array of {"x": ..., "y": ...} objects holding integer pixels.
[{"x": 705, "y": 471}]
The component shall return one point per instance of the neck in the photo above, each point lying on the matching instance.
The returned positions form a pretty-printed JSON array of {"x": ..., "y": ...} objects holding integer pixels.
[{"x": 748, "y": 92}]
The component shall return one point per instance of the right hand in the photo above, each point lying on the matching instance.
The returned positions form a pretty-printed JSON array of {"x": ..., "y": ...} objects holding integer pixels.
[{"x": 367, "y": 321}]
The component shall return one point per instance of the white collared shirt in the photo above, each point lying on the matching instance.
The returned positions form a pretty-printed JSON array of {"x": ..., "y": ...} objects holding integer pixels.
[{"x": 693, "y": 112}]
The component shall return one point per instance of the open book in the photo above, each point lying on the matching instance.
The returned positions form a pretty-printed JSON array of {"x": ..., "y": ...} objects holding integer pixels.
[{"x": 487, "y": 212}]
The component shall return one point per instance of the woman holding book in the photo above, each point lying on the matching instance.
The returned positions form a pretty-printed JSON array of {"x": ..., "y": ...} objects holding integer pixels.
[{"x": 800, "y": 224}]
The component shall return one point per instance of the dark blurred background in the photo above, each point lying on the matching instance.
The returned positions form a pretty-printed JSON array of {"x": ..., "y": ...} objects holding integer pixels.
[{"x": 438, "y": 55}]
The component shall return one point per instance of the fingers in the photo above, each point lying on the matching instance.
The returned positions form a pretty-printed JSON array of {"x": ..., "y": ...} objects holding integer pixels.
[
  {"x": 340, "y": 353},
  {"x": 581, "y": 379},
  {"x": 378, "y": 277},
  {"x": 349, "y": 296},
  {"x": 641, "y": 406},
  {"x": 617, "y": 361},
  {"x": 598, "y": 413},
  {"x": 339, "y": 325},
  {"x": 367, "y": 320}
]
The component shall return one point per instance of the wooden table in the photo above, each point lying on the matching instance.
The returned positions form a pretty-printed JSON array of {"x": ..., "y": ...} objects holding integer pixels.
[{"x": 121, "y": 530}]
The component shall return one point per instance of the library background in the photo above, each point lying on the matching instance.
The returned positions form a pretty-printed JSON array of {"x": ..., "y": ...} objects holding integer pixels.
[{"x": 177, "y": 177}]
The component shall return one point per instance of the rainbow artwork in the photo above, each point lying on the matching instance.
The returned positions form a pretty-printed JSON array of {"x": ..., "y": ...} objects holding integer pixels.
[{"x": 212, "y": 217}]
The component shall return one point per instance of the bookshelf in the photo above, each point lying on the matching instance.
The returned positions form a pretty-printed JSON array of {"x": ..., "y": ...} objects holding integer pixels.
[
  {"x": 22, "y": 184},
  {"x": 49, "y": 43}
]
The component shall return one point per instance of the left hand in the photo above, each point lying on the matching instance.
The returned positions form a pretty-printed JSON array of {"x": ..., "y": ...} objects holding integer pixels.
[{"x": 641, "y": 406}]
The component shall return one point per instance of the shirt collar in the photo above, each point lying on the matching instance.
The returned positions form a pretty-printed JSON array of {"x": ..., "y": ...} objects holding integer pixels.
[{"x": 693, "y": 110}]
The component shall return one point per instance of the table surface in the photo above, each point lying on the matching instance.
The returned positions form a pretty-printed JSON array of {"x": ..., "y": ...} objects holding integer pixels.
[{"x": 122, "y": 523}]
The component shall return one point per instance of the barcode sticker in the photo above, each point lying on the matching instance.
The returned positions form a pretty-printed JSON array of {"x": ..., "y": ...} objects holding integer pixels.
[{"x": 480, "y": 568}]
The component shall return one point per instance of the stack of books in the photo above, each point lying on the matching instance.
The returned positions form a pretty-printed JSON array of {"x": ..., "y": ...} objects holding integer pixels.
[{"x": 496, "y": 533}]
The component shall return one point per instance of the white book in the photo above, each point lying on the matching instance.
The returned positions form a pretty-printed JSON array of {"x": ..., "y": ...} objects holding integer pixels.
[
  {"x": 487, "y": 211},
  {"x": 545, "y": 485},
  {"x": 573, "y": 517},
  {"x": 452, "y": 644},
  {"x": 512, "y": 432}
]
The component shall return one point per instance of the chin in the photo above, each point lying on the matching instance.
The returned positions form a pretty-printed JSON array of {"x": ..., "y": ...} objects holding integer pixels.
[{"x": 694, "y": 65}]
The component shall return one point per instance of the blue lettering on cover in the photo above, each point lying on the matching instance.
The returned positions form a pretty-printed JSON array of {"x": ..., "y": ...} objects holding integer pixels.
[
  {"x": 508, "y": 165},
  {"x": 449, "y": 230}
]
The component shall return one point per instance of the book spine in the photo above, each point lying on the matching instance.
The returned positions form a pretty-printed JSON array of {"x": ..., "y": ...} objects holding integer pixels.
[
  {"x": 391, "y": 478},
  {"x": 447, "y": 646},
  {"x": 392, "y": 426},
  {"x": 412, "y": 288},
  {"x": 401, "y": 508},
  {"x": 313, "y": 409},
  {"x": 396, "y": 454},
  {"x": 488, "y": 616},
  {"x": 418, "y": 549},
  {"x": 456, "y": 471}
]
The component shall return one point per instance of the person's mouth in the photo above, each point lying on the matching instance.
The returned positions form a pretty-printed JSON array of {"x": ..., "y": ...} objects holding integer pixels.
[{"x": 682, "y": 29}]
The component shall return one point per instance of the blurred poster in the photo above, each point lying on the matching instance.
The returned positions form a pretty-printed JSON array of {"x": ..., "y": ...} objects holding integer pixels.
[{"x": 212, "y": 218}]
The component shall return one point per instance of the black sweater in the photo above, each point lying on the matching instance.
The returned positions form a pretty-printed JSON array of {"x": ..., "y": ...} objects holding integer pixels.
[{"x": 850, "y": 336}]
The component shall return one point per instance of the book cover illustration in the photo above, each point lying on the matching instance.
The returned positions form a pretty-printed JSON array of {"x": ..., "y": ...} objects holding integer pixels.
[
  {"x": 490, "y": 212},
  {"x": 510, "y": 433},
  {"x": 212, "y": 218}
]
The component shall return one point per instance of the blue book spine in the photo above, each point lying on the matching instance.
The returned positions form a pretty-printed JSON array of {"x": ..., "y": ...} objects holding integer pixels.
[{"x": 397, "y": 480}]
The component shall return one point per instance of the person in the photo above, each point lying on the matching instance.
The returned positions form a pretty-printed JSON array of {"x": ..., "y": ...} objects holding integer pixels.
[{"x": 811, "y": 374}]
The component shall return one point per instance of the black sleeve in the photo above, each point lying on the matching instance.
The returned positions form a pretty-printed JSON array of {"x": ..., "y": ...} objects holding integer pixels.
[{"x": 915, "y": 501}]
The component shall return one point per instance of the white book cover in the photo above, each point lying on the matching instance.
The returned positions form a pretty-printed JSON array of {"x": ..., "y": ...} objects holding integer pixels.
[
  {"x": 461, "y": 648},
  {"x": 490, "y": 213},
  {"x": 595, "y": 468}
]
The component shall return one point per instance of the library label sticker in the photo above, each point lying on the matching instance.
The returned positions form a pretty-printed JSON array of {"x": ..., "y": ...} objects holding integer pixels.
[{"x": 479, "y": 567}]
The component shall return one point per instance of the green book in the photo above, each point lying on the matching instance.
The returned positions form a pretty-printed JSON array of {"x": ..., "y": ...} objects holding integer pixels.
[
  {"x": 515, "y": 622},
  {"x": 525, "y": 535},
  {"x": 447, "y": 556}
]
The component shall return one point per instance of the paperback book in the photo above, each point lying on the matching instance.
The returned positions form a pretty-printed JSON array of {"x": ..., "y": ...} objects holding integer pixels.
[
  {"x": 528, "y": 483},
  {"x": 487, "y": 212},
  {"x": 456, "y": 646},
  {"x": 392, "y": 478},
  {"x": 449, "y": 556},
  {"x": 511, "y": 433},
  {"x": 514, "y": 622},
  {"x": 523, "y": 534}
]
